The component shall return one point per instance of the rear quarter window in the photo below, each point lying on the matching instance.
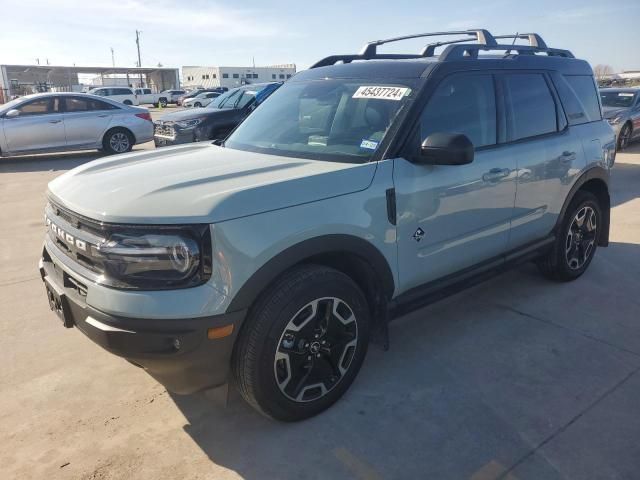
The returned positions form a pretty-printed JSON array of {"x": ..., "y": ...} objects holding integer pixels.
[{"x": 584, "y": 89}]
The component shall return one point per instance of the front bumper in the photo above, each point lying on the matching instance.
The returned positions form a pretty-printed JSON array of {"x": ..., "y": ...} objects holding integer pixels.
[{"x": 176, "y": 352}]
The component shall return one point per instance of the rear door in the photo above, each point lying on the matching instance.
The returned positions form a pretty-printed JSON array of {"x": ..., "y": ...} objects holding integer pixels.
[
  {"x": 548, "y": 154},
  {"x": 86, "y": 120},
  {"x": 39, "y": 127}
]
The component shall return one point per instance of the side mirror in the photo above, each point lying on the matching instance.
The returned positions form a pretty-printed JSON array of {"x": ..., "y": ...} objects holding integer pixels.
[
  {"x": 12, "y": 113},
  {"x": 446, "y": 149}
]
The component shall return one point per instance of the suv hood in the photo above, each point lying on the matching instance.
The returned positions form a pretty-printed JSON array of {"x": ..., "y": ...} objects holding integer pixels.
[
  {"x": 610, "y": 112},
  {"x": 188, "y": 114},
  {"x": 200, "y": 183}
]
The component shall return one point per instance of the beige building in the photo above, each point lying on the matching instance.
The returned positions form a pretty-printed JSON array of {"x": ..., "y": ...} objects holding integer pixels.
[{"x": 231, "y": 77}]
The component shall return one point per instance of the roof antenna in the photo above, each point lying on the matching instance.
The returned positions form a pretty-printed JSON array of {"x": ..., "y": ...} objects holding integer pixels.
[{"x": 515, "y": 37}]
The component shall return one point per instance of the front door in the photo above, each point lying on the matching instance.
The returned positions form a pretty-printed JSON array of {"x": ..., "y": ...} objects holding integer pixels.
[
  {"x": 38, "y": 127},
  {"x": 453, "y": 217}
]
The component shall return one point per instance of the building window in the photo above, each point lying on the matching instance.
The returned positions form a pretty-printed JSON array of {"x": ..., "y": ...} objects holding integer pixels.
[
  {"x": 235, "y": 75},
  {"x": 215, "y": 76},
  {"x": 273, "y": 76},
  {"x": 225, "y": 75},
  {"x": 255, "y": 75},
  {"x": 281, "y": 76},
  {"x": 202, "y": 77},
  {"x": 288, "y": 75}
]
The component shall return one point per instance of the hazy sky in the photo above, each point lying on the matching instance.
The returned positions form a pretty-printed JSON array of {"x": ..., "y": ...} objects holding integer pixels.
[{"x": 201, "y": 32}]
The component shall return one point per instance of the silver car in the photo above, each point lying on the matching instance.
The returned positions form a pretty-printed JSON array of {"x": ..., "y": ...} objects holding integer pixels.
[
  {"x": 58, "y": 122},
  {"x": 621, "y": 108}
]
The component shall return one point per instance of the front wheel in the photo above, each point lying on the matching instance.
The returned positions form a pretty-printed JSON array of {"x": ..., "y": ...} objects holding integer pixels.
[
  {"x": 128, "y": 102},
  {"x": 303, "y": 343},
  {"x": 576, "y": 241},
  {"x": 163, "y": 102},
  {"x": 197, "y": 104}
]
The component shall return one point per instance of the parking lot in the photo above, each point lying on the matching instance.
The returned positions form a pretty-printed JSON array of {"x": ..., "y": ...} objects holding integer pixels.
[{"x": 517, "y": 378}]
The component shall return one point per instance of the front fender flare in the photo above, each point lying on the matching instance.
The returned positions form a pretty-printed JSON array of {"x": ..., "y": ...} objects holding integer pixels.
[{"x": 305, "y": 250}]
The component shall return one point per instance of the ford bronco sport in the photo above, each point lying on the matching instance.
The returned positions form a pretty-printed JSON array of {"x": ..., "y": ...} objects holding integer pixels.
[{"x": 366, "y": 186}]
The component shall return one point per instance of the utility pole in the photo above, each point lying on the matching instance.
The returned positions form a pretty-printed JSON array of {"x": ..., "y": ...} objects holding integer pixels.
[
  {"x": 113, "y": 58},
  {"x": 139, "y": 59}
]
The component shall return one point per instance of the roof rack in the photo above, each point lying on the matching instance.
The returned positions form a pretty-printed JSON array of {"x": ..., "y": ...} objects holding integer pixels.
[
  {"x": 369, "y": 51},
  {"x": 485, "y": 42}
]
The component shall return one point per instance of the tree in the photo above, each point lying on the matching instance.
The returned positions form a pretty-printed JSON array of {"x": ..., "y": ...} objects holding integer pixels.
[{"x": 601, "y": 71}]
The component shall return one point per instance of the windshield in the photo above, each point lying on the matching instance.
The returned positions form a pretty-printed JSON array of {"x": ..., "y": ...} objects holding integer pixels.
[
  {"x": 10, "y": 105},
  {"x": 338, "y": 120},
  {"x": 219, "y": 99},
  {"x": 617, "y": 99}
]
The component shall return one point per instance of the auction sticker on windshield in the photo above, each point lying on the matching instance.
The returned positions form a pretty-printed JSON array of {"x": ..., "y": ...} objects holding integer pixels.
[{"x": 382, "y": 93}]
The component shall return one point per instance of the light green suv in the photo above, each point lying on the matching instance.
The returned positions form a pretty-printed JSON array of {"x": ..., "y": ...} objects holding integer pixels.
[{"x": 366, "y": 186}]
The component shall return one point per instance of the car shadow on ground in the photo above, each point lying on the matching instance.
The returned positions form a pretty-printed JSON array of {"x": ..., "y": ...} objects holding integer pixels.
[
  {"x": 49, "y": 162},
  {"x": 470, "y": 388}
]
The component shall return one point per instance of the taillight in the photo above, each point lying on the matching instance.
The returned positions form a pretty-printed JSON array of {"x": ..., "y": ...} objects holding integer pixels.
[{"x": 144, "y": 116}]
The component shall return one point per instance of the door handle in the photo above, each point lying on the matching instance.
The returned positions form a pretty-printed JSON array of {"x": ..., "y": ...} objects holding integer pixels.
[
  {"x": 567, "y": 156},
  {"x": 496, "y": 174},
  {"x": 55, "y": 121}
]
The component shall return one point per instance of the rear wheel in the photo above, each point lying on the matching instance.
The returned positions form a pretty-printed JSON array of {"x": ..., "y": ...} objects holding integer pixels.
[
  {"x": 577, "y": 240},
  {"x": 163, "y": 102},
  {"x": 303, "y": 343},
  {"x": 117, "y": 140},
  {"x": 128, "y": 102},
  {"x": 197, "y": 104},
  {"x": 624, "y": 136}
]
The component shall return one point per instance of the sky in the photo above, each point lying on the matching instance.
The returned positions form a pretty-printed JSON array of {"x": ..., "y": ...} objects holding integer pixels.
[{"x": 222, "y": 33}]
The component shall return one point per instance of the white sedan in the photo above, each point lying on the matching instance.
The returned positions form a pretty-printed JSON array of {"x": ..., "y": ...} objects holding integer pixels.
[{"x": 201, "y": 100}]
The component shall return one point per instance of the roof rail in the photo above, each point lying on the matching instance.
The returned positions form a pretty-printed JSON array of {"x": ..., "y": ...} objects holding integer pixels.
[
  {"x": 485, "y": 42},
  {"x": 481, "y": 36},
  {"x": 535, "y": 40}
]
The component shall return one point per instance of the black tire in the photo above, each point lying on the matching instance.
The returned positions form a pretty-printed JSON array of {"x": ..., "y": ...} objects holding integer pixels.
[
  {"x": 255, "y": 365},
  {"x": 565, "y": 262},
  {"x": 117, "y": 140},
  {"x": 624, "y": 137},
  {"x": 197, "y": 105},
  {"x": 163, "y": 102},
  {"x": 128, "y": 102}
]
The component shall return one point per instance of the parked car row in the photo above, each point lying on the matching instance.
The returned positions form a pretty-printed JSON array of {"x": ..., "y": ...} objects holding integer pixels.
[
  {"x": 216, "y": 120},
  {"x": 138, "y": 96}
]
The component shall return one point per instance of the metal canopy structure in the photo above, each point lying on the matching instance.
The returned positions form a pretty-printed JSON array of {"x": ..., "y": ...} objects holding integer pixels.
[{"x": 22, "y": 79}]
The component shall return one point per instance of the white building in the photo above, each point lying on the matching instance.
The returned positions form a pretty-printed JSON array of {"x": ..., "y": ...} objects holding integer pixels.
[{"x": 231, "y": 77}]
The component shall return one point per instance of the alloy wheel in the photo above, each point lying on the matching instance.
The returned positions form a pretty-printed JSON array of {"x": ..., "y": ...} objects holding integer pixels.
[
  {"x": 581, "y": 237},
  {"x": 119, "y": 142},
  {"x": 316, "y": 349}
]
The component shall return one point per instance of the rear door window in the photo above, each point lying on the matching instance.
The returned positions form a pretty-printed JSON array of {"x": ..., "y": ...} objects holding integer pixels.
[
  {"x": 81, "y": 104},
  {"x": 531, "y": 109}
]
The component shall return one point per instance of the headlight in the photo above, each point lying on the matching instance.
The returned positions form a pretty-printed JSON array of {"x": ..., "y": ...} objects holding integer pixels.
[
  {"x": 186, "y": 124},
  {"x": 155, "y": 259},
  {"x": 614, "y": 120}
]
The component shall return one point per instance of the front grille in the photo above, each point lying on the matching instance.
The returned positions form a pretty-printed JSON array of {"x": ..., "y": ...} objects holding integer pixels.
[
  {"x": 164, "y": 130},
  {"x": 74, "y": 236}
]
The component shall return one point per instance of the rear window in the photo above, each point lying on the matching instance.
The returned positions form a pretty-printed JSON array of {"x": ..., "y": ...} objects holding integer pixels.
[
  {"x": 530, "y": 105},
  {"x": 585, "y": 91}
]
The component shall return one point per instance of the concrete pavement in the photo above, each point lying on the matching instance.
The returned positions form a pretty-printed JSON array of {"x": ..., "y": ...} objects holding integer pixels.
[{"x": 517, "y": 378}]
